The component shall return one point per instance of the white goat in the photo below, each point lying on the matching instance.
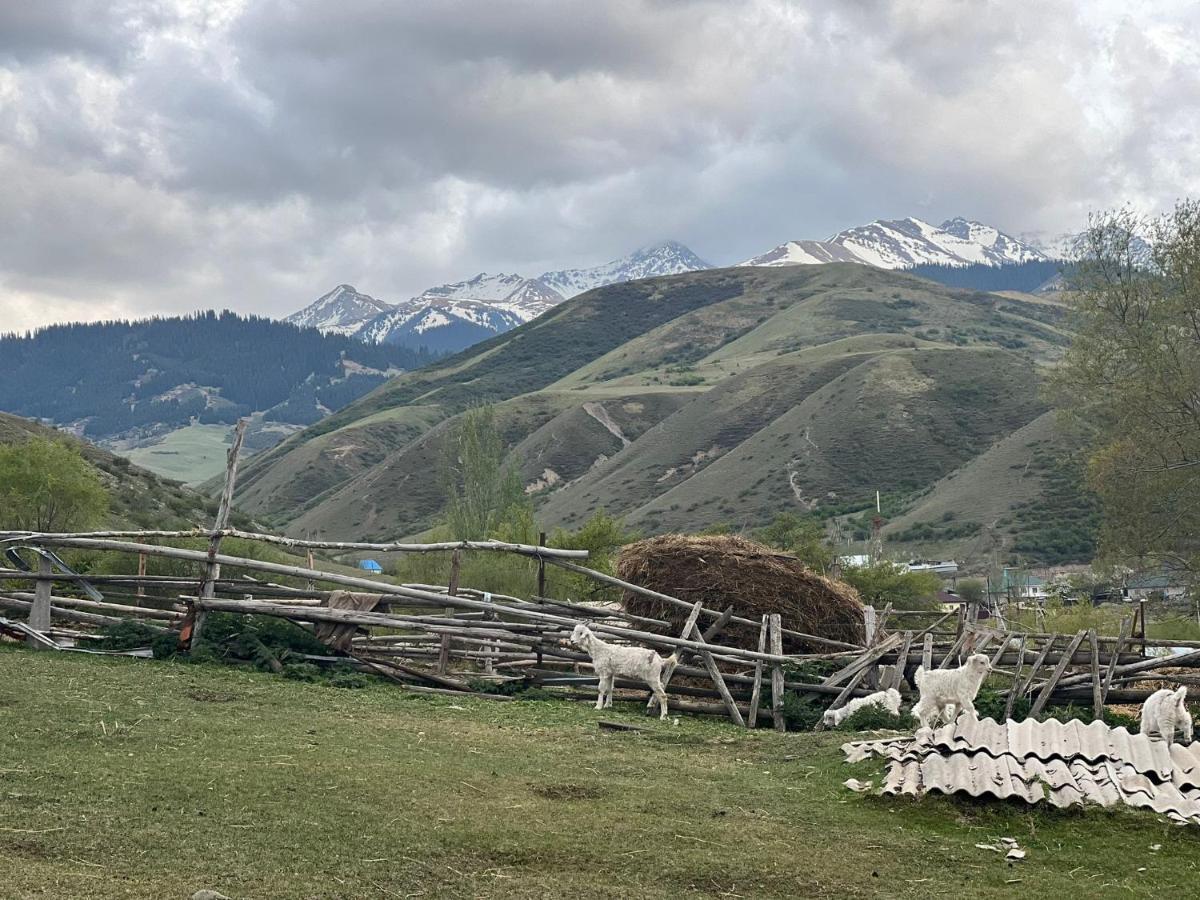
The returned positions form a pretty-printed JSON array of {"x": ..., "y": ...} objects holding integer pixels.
[
  {"x": 611, "y": 660},
  {"x": 1164, "y": 712},
  {"x": 942, "y": 688},
  {"x": 889, "y": 700}
]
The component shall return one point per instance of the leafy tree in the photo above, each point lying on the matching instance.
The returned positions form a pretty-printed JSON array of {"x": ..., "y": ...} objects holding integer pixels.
[
  {"x": 47, "y": 485},
  {"x": 1131, "y": 380},
  {"x": 971, "y": 589},
  {"x": 485, "y": 491},
  {"x": 886, "y": 582},
  {"x": 804, "y": 538}
]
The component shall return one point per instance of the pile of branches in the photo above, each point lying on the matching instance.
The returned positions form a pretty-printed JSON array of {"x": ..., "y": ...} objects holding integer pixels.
[{"x": 725, "y": 571}]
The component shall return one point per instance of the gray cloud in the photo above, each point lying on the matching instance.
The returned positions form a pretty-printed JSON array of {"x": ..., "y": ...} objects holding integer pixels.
[{"x": 166, "y": 155}]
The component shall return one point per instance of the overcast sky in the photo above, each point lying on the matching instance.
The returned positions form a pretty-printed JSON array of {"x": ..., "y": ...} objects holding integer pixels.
[{"x": 159, "y": 156}]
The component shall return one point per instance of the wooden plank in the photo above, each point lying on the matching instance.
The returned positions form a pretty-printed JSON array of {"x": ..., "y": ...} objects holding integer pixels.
[
  {"x": 1043, "y": 697},
  {"x": 688, "y": 626},
  {"x": 212, "y": 569},
  {"x": 927, "y": 653},
  {"x": 862, "y": 662},
  {"x": 1097, "y": 703},
  {"x": 1005, "y": 640},
  {"x": 1126, "y": 631},
  {"x": 756, "y": 691},
  {"x": 898, "y": 674},
  {"x": 776, "y": 627}
]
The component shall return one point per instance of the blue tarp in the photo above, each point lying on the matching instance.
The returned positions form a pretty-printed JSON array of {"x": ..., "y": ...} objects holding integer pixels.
[{"x": 370, "y": 565}]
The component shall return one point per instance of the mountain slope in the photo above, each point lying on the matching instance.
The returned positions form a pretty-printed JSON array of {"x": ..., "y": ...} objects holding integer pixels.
[
  {"x": 725, "y": 395},
  {"x": 902, "y": 243},
  {"x": 168, "y": 390},
  {"x": 342, "y": 311},
  {"x": 139, "y": 498}
]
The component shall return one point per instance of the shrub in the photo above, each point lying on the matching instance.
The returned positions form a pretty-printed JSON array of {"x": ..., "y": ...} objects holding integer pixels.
[
  {"x": 874, "y": 718},
  {"x": 801, "y": 713}
]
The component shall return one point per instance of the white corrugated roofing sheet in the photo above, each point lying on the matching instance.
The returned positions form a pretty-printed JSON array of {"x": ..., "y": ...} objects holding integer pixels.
[{"x": 1062, "y": 763}]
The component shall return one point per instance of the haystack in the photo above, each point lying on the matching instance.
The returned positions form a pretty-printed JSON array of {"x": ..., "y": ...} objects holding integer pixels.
[{"x": 726, "y": 570}]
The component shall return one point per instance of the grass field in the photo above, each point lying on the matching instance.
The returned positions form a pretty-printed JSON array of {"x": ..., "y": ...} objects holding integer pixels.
[
  {"x": 191, "y": 455},
  {"x": 125, "y": 778}
]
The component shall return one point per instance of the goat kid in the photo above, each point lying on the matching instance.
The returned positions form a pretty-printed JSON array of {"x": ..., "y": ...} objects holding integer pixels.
[
  {"x": 1166, "y": 711},
  {"x": 942, "y": 689},
  {"x": 611, "y": 660},
  {"x": 889, "y": 700}
]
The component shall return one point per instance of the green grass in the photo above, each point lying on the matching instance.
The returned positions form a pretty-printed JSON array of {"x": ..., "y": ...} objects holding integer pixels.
[
  {"x": 125, "y": 778},
  {"x": 191, "y": 455}
]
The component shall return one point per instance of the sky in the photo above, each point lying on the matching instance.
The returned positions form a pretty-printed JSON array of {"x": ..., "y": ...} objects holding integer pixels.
[{"x": 162, "y": 156}]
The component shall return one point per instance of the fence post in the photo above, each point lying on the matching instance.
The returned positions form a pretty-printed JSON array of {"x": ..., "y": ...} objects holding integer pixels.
[
  {"x": 39, "y": 613},
  {"x": 541, "y": 586},
  {"x": 141, "y": 589},
  {"x": 443, "y": 663},
  {"x": 777, "y": 673},
  {"x": 212, "y": 569}
]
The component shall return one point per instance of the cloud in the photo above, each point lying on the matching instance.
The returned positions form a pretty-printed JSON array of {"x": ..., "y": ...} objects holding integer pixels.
[{"x": 167, "y": 155}]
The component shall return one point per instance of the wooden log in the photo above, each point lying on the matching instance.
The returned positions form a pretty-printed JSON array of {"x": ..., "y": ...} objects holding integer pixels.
[
  {"x": 1126, "y": 630},
  {"x": 36, "y": 537},
  {"x": 1043, "y": 696},
  {"x": 1005, "y": 640},
  {"x": 718, "y": 680},
  {"x": 863, "y": 662},
  {"x": 212, "y": 570},
  {"x": 116, "y": 609},
  {"x": 71, "y": 615},
  {"x": 39, "y": 612},
  {"x": 756, "y": 691},
  {"x": 680, "y": 604},
  {"x": 927, "y": 653},
  {"x": 776, "y": 639},
  {"x": 954, "y": 649}
]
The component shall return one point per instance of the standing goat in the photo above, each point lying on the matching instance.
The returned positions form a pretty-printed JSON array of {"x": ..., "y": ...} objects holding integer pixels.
[
  {"x": 889, "y": 700},
  {"x": 611, "y": 660},
  {"x": 1164, "y": 712},
  {"x": 942, "y": 688}
]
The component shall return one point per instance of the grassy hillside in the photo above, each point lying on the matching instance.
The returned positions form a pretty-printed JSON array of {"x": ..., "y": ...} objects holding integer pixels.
[
  {"x": 139, "y": 498},
  {"x": 719, "y": 396},
  {"x": 471, "y": 798}
]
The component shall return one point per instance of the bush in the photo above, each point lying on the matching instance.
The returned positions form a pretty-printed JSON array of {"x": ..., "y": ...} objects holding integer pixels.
[
  {"x": 801, "y": 713},
  {"x": 875, "y": 718}
]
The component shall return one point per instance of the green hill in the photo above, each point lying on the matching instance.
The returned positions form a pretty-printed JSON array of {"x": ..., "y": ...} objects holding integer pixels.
[
  {"x": 138, "y": 498},
  {"x": 722, "y": 396}
]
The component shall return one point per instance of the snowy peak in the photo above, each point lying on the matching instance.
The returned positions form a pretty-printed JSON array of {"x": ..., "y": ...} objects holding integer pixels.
[
  {"x": 342, "y": 311},
  {"x": 666, "y": 258},
  {"x": 900, "y": 243}
]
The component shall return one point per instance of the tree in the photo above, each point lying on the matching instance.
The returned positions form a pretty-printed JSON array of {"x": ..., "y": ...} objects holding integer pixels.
[
  {"x": 47, "y": 485},
  {"x": 972, "y": 589},
  {"x": 803, "y": 538},
  {"x": 886, "y": 582},
  {"x": 485, "y": 492},
  {"x": 1131, "y": 382}
]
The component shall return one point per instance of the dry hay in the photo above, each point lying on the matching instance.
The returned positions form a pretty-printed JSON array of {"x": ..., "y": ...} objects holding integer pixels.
[{"x": 725, "y": 570}]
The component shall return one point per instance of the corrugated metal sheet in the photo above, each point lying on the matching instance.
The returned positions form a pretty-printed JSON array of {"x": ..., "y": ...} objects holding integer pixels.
[{"x": 1061, "y": 763}]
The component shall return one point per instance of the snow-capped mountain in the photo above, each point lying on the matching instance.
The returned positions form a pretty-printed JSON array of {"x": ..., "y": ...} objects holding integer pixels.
[
  {"x": 900, "y": 243},
  {"x": 342, "y": 311},
  {"x": 667, "y": 258},
  {"x": 451, "y": 317}
]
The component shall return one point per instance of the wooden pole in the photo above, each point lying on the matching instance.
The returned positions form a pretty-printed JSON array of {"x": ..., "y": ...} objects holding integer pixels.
[
  {"x": 927, "y": 653},
  {"x": 541, "y": 563},
  {"x": 212, "y": 569},
  {"x": 776, "y": 626},
  {"x": 756, "y": 691},
  {"x": 141, "y": 588},
  {"x": 719, "y": 681},
  {"x": 898, "y": 673},
  {"x": 1018, "y": 690},
  {"x": 1097, "y": 691},
  {"x": 39, "y": 613},
  {"x": 443, "y": 662}
]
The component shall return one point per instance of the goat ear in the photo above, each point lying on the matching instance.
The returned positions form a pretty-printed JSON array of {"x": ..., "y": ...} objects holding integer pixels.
[{"x": 1181, "y": 694}]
